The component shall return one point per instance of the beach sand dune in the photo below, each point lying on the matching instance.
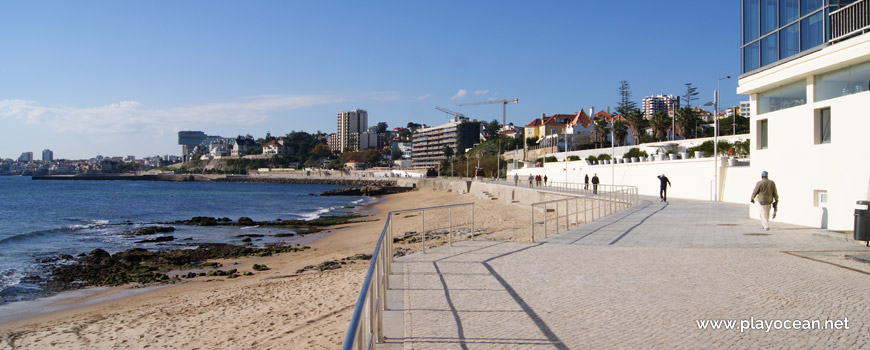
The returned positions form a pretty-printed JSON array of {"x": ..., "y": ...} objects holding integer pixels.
[{"x": 274, "y": 309}]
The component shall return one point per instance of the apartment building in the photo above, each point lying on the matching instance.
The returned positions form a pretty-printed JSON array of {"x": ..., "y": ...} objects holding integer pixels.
[
  {"x": 352, "y": 132},
  {"x": 427, "y": 144},
  {"x": 656, "y": 103}
]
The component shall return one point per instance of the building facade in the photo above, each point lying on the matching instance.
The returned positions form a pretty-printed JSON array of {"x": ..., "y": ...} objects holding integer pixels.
[
  {"x": 47, "y": 155},
  {"x": 808, "y": 106},
  {"x": 744, "y": 109},
  {"x": 656, "y": 103},
  {"x": 427, "y": 144},
  {"x": 189, "y": 140},
  {"x": 26, "y": 157},
  {"x": 352, "y": 128}
]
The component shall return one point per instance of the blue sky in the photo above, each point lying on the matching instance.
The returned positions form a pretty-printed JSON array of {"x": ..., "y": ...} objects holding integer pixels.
[{"x": 122, "y": 77}]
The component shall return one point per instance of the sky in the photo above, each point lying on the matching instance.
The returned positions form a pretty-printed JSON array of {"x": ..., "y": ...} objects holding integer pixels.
[{"x": 117, "y": 78}]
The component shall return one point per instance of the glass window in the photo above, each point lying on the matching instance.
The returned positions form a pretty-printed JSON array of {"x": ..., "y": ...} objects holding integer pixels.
[
  {"x": 750, "y": 20},
  {"x": 788, "y": 11},
  {"x": 842, "y": 82},
  {"x": 786, "y": 96},
  {"x": 768, "y": 49},
  {"x": 789, "y": 41},
  {"x": 750, "y": 57},
  {"x": 808, "y": 6},
  {"x": 823, "y": 126},
  {"x": 762, "y": 134},
  {"x": 768, "y": 16},
  {"x": 812, "y": 31}
]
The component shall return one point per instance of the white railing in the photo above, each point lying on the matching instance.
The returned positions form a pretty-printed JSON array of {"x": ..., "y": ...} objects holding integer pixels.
[
  {"x": 850, "y": 20},
  {"x": 606, "y": 200},
  {"x": 367, "y": 324}
]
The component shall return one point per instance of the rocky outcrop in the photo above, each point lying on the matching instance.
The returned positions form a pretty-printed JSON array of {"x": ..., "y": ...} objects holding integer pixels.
[
  {"x": 150, "y": 230},
  {"x": 369, "y": 190}
]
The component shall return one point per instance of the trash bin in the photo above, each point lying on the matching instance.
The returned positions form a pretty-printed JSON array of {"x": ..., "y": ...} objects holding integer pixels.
[{"x": 862, "y": 222}]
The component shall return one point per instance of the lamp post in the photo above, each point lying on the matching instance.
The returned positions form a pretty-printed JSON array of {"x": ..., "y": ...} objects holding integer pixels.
[{"x": 716, "y": 139}]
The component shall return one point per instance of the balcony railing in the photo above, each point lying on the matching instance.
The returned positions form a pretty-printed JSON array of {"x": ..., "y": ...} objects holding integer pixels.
[{"x": 850, "y": 20}]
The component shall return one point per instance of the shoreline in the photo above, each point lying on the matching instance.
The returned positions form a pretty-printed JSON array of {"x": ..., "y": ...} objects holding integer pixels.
[
  {"x": 278, "y": 308},
  {"x": 257, "y": 178}
]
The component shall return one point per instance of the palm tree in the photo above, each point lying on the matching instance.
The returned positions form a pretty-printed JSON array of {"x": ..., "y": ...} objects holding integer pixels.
[
  {"x": 637, "y": 123},
  {"x": 660, "y": 123},
  {"x": 687, "y": 118},
  {"x": 600, "y": 130},
  {"x": 620, "y": 130}
]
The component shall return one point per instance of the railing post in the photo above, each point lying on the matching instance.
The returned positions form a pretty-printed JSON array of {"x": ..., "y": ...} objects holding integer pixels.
[
  {"x": 450, "y": 226},
  {"x": 382, "y": 297},
  {"x": 423, "y": 231},
  {"x": 533, "y": 223},
  {"x": 567, "y": 215},
  {"x": 389, "y": 252},
  {"x": 557, "y": 217},
  {"x": 545, "y": 219},
  {"x": 472, "y": 221}
]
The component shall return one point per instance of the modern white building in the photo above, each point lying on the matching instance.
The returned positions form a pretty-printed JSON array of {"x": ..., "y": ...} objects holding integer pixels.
[
  {"x": 656, "y": 103},
  {"x": 744, "y": 109},
  {"x": 427, "y": 144},
  {"x": 352, "y": 132},
  {"x": 806, "y": 69}
]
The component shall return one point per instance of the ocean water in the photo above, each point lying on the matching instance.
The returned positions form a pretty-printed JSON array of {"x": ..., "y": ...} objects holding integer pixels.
[{"x": 39, "y": 220}]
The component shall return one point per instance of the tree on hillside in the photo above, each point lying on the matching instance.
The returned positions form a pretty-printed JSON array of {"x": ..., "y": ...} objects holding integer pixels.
[
  {"x": 321, "y": 151},
  {"x": 414, "y": 126},
  {"x": 381, "y": 127},
  {"x": 687, "y": 119},
  {"x": 600, "y": 130},
  {"x": 396, "y": 154},
  {"x": 660, "y": 124},
  {"x": 448, "y": 151},
  {"x": 637, "y": 123},
  {"x": 691, "y": 92},
  {"x": 492, "y": 130},
  {"x": 620, "y": 131},
  {"x": 625, "y": 104}
]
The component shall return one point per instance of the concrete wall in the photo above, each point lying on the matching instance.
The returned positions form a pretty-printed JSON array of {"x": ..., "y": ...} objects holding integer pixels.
[{"x": 690, "y": 178}]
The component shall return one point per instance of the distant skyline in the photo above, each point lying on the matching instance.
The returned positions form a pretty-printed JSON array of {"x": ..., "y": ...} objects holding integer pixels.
[{"x": 122, "y": 78}]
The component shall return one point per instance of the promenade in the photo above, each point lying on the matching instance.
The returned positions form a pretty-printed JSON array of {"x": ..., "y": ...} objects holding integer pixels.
[{"x": 645, "y": 277}]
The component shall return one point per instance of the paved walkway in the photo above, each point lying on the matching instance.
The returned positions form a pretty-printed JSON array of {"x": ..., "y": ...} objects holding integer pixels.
[{"x": 641, "y": 278}]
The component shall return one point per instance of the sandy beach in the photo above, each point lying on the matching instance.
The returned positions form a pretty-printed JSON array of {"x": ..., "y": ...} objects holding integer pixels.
[{"x": 274, "y": 309}]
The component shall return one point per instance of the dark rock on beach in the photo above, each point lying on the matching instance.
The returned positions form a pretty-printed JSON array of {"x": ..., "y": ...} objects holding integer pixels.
[
  {"x": 158, "y": 239},
  {"x": 368, "y": 190},
  {"x": 150, "y": 230}
]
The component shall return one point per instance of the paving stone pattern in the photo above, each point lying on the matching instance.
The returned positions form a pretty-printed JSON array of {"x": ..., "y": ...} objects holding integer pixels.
[{"x": 640, "y": 278}]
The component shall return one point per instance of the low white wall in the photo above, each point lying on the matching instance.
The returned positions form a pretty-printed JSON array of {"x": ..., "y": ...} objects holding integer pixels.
[{"x": 690, "y": 178}]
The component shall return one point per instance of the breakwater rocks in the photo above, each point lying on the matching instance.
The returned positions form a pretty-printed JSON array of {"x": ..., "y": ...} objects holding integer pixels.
[
  {"x": 369, "y": 190},
  {"x": 227, "y": 178},
  {"x": 99, "y": 268}
]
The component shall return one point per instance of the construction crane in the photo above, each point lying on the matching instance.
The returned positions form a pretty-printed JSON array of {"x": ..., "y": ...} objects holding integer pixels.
[
  {"x": 494, "y": 101},
  {"x": 455, "y": 114}
]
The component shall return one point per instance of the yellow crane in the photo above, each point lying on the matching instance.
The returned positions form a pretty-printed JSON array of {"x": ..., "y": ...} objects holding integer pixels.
[{"x": 494, "y": 101}]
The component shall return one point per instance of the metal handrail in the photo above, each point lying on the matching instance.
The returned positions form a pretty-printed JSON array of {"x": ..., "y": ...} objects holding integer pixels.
[
  {"x": 605, "y": 203},
  {"x": 372, "y": 296},
  {"x": 849, "y": 20}
]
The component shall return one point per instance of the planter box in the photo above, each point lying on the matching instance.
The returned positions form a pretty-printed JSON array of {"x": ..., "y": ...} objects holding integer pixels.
[
  {"x": 684, "y": 155},
  {"x": 699, "y": 154},
  {"x": 634, "y": 159}
]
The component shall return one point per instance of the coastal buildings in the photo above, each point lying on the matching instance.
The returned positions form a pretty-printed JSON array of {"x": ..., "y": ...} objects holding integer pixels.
[
  {"x": 547, "y": 126},
  {"x": 428, "y": 143},
  {"x": 352, "y": 132},
  {"x": 806, "y": 69},
  {"x": 26, "y": 157},
  {"x": 188, "y": 141},
  {"x": 47, "y": 155},
  {"x": 656, "y": 103},
  {"x": 744, "y": 109}
]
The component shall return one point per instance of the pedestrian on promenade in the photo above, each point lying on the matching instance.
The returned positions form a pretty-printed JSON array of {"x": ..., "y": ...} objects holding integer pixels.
[
  {"x": 531, "y": 178},
  {"x": 595, "y": 183},
  {"x": 586, "y": 182},
  {"x": 516, "y": 179},
  {"x": 663, "y": 190},
  {"x": 545, "y": 180},
  {"x": 765, "y": 191},
  {"x": 538, "y": 180}
]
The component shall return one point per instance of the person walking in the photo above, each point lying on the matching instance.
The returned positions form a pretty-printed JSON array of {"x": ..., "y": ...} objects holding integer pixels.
[
  {"x": 586, "y": 182},
  {"x": 516, "y": 179},
  {"x": 663, "y": 190},
  {"x": 545, "y": 180},
  {"x": 531, "y": 178},
  {"x": 537, "y": 180},
  {"x": 595, "y": 183},
  {"x": 765, "y": 192}
]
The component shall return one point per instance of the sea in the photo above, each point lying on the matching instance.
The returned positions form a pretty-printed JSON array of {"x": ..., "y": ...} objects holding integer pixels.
[{"x": 42, "y": 219}]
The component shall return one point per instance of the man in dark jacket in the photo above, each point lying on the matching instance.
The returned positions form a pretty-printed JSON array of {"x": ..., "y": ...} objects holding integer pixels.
[
  {"x": 663, "y": 190},
  {"x": 586, "y": 182},
  {"x": 595, "y": 184}
]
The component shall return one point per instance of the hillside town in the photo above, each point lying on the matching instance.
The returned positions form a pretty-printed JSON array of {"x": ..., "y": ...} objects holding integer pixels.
[{"x": 463, "y": 146}]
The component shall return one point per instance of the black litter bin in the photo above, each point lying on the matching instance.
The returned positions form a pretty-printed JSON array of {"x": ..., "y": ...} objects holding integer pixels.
[{"x": 862, "y": 222}]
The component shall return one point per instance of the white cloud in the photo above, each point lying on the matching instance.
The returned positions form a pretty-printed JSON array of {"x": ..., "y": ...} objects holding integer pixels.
[
  {"x": 128, "y": 117},
  {"x": 423, "y": 97},
  {"x": 481, "y": 92},
  {"x": 459, "y": 94}
]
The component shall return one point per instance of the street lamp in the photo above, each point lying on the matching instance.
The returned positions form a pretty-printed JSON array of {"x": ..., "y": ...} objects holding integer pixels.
[{"x": 716, "y": 139}]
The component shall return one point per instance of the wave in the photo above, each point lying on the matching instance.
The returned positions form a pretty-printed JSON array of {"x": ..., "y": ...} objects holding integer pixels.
[
  {"x": 33, "y": 234},
  {"x": 314, "y": 214},
  {"x": 89, "y": 224}
]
